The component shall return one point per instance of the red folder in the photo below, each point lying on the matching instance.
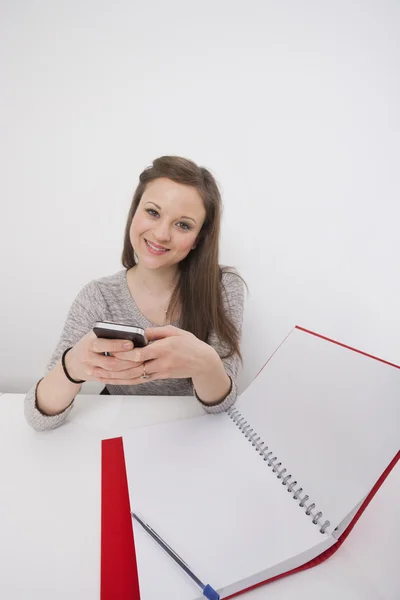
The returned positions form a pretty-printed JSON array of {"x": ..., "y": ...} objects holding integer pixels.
[{"x": 119, "y": 576}]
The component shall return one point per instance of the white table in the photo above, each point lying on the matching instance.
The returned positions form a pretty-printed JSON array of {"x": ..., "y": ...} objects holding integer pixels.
[{"x": 50, "y": 510}]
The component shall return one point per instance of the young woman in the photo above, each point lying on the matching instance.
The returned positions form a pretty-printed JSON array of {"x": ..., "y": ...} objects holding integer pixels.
[{"x": 173, "y": 287}]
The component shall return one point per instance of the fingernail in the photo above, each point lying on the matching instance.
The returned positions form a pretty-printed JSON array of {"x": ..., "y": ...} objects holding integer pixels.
[{"x": 128, "y": 345}]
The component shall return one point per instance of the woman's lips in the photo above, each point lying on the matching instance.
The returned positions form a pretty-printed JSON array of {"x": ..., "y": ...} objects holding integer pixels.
[{"x": 155, "y": 248}]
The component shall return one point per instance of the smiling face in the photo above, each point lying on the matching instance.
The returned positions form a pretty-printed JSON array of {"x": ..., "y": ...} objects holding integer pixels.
[{"x": 166, "y": 224}]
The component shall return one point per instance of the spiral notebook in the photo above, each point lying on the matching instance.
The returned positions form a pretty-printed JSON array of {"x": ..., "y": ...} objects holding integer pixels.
[{"x": 272, "y": 486}]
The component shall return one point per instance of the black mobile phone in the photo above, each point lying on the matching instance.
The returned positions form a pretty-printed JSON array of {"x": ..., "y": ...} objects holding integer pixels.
[{"x": 119, "y": 331}]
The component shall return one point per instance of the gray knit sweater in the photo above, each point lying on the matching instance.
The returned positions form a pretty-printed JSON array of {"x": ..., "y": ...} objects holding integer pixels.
[{"x": 109, "y": 299}]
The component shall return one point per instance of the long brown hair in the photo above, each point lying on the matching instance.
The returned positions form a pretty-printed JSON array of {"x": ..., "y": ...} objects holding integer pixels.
[{"x": 199, "y": 287}]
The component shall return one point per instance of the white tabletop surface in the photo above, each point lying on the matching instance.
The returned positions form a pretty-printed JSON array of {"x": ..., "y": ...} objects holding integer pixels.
[{"x": 50, "y": 510}]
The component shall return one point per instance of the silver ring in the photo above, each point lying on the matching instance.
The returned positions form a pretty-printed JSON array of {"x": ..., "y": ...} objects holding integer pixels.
[{"x": 144, "y": 376}]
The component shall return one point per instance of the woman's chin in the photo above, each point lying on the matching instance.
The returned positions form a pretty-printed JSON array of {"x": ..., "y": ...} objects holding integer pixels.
[{"x": 154, "y": 262}]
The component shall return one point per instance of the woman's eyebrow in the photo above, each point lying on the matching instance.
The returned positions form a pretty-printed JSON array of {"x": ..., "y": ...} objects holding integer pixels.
[{"x": 159, "y": 208}]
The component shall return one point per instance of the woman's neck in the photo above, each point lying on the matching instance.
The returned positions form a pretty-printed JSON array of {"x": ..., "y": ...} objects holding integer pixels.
[{"x": 156, "y": 281}]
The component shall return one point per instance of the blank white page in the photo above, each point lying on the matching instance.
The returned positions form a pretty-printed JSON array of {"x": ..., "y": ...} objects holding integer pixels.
[
  {"x": 331, "y": 415},
  {"x": 199, "y": 484}
]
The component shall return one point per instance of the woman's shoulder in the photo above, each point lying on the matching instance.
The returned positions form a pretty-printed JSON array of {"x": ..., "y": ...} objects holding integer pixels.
[
  {"x": 230, "y": 275},
  {"x": 108, "y": 286},
  {"x": 233, "y": 296},
  {"x": 232, "y": 282},
  {"x": 110, "y": 280}
]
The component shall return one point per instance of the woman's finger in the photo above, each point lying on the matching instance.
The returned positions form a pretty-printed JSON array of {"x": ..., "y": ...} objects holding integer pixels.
[
  {"x": 150, "y": 352},
  {"x": 102, "y": 345},
  {"x": 135, "y": 381},
  {"x": 132, "y": 376},
  {"x": 158, "y": 333},
  {"x": 113, "y": 363},
  {"x": 152, "y": 366},
  {"x": 130, "y": 373}
]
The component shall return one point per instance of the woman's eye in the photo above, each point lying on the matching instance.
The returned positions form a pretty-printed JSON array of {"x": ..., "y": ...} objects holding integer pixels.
[
  {"x": 152, "y": 212},
  {"x": 183, "y": 225}
]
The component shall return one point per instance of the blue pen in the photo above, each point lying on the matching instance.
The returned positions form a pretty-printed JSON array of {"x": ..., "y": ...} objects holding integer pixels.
[{"x": 207, "y": 590}]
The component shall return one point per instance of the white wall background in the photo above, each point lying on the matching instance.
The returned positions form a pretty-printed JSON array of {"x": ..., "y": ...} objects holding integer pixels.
[{"x": 293, "y": 105}]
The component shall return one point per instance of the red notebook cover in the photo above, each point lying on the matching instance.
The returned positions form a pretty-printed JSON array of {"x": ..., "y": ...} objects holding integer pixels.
[{"x": 119, "y": 576}]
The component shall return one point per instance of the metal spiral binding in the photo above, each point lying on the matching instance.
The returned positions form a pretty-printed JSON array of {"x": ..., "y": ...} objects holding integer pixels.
[{"x": 268, "y": 456}]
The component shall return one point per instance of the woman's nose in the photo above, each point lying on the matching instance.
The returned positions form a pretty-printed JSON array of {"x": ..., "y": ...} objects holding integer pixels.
[{"x": 163, "y": 232}]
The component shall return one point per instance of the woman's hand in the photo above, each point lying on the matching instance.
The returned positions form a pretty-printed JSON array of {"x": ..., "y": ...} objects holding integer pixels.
[
  {"x": 173, "y": 354},
  {"x": 87, "y": 356}
]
